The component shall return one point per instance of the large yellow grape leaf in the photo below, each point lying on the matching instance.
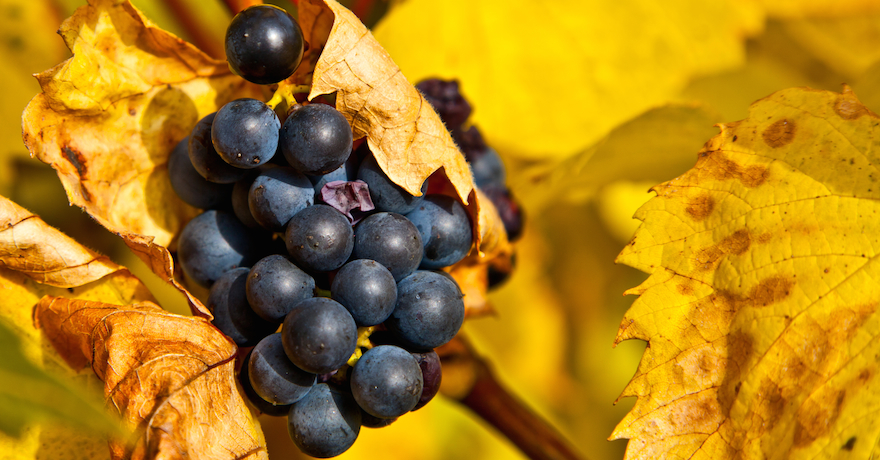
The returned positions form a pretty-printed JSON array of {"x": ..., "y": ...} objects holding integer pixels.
[
  {"x": 761, "y": 306},
  {"x": 547, "y": 80}
]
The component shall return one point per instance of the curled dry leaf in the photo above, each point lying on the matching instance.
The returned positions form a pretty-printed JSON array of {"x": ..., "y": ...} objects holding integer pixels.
[
  {"x": 171, "y": 376},
  {"x": 761, "y": 309},
  {"x": 108, "y": 118},
  {"x": 403, "y": 131}
]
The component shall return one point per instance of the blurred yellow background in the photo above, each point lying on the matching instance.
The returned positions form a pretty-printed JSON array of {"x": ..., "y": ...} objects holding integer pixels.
[{"x": 589, "y": 102}]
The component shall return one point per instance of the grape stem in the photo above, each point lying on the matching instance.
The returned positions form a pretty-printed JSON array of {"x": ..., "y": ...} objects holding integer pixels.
[{"x": 487, "y": 398}]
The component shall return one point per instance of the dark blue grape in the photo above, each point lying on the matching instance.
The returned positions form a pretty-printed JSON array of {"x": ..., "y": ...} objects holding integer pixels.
[
  {"x": 429, "y": 310},
  {"x": 508, "y": 209},
  {"x": 256, "y": 400},
  {"x": 245, "y": 133},
  {"x": 367, "y": 289},
  {"x": 488, "y": 169},
  {"x": 264, "y": 44},
  {"x": 277, "y": 194},
  {"x": 429, "y": 363},
  {"x": 319, "y": 335},
  {"x": 386, "y": 381},
  {"x": 446, "y": 99},
  {"x": 390, "y": 239},
  {"x": 205, "y": 159},
  {"x": 233, "y": 315},
  {"x": 369, "y": 421},
  {"x": 190, "y": 186},
  {"x": 275, "y": 286},
  {"x": 499, "y": 271},
  {"x": 239, "y": 199},
  {"x": 319, "y": 238},
  {"x": 274, "y": 377},
  {"x": 387, "y": 196},
  {"x": 325, "y": 423},
  {"x": 215, "y": 242},
  {"x": 346, "y": 173},
  {"x": 445, "y": 230},
  {"x": 316, "y": 139}
]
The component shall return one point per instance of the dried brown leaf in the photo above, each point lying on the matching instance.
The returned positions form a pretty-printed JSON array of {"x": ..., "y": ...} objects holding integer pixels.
[
  {"x": 30, "y": 246},
  {"x": 170, "y": 376}
]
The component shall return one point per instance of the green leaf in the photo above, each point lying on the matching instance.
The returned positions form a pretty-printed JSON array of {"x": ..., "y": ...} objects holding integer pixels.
[{"x": 29, "y": 394}]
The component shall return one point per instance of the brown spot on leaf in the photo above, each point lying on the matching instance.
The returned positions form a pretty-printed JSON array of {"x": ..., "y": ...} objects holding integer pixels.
[
  {"x": 849, "y": 445},
  {"x": 754, "y": 176},
  {"x": 700, "y": 207},
  {"x": 780, "y": 133},
  {"x": 740, "y": 347},
  {"x": 715, "y": 165},
  {"x": 770, "y": 402},
  {"x": 771, "y": 290},
  {"x": 684, "y": 289},
  {"x": 76, "y": 159},
  {"x": 817, "y": 415},
  {"x": 848, "y": 107},
  {"x": 737, "y": 244}
]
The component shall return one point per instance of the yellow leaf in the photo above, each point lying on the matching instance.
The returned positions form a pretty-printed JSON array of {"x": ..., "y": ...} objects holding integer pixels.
[
  {"x": 170, "y": 375},
  {"x": 546, "y": 81},
  {"x": 761, "y": 305},
  {"x": 656, "y": 144}
]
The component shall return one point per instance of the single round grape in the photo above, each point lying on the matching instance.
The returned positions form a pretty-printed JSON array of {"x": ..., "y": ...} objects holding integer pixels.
[
  {"x": 488, "y": 169},
  {"x": 256, "y": 400},
  {"x": 369, "y": 421},
  {"x": 239, "y": 199},
  {"x": 386, "y": 381},
  {"x": 325, "y": 423},
  {"x": 319, "y": 335},
  {"x": 346, "y": 173},
  {"x": 277, "y": 194},
  {"x": 508, "y": 209},
  {"x": 319, "y": 238},
  {"x": 204, "y": 157},
  {"x": 274, "y": 377},
  {"x": 190, "y": 186},
  {"x": 233, "y": 315},
  {"x": 264, "y": 44},
  {"x": 275, "y": 285},
  {"x": 215, "y": 242},
  {"x": 316, "y": 139},
  {"x": 445, "y": 229},
  {"x": 386, "y": 195},
  {"x": 447, "y": 101},
  {"x": 390, "y": 239},
  {"x": 367, "y": 289},
  {"x": 429, "y": 363},
  {"x": 245, "y": 133},
  {"x": 429, "y": 310}
]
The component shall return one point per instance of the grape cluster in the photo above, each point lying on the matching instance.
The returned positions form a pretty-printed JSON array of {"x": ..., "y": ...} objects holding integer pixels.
[
  {"x": 302, "y": 231},
  {"x": 486, "y": 165}
]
